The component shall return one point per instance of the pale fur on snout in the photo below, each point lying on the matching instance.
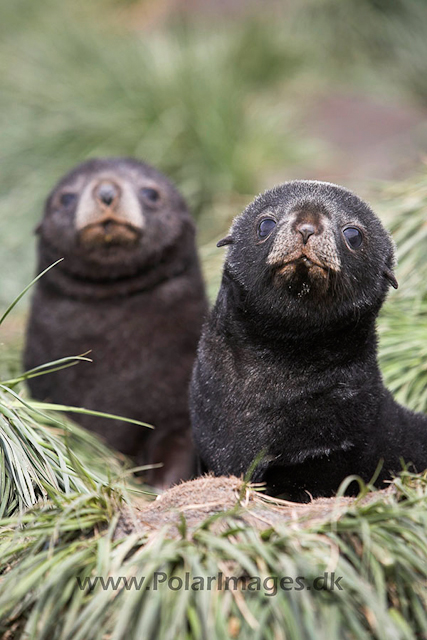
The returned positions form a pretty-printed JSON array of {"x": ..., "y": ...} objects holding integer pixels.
[
  {"x": 126, "y": 210},
  {"x": 320, "y": 249}
]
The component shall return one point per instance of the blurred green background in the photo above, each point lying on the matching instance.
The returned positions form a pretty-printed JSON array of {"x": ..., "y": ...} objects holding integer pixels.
[{"x": 228, "y": 98}]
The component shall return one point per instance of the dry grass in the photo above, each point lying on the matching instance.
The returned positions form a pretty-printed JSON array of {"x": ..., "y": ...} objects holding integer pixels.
[{"x": 209, "y": 496}]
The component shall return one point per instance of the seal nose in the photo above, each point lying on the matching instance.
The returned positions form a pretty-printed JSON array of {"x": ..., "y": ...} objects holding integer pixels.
[
  {"x": 306, "y": 230},
  {"x": 107, "y": 192}
]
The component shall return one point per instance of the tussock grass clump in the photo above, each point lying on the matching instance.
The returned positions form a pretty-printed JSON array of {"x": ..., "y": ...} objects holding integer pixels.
[
  {"x": 403, "y": 350},
  {"x": 157, "y": 586},
  {"x": 403, "y": 322},
  {"x": 403, "y": 208},
  {"x": 36, "y": 460}
]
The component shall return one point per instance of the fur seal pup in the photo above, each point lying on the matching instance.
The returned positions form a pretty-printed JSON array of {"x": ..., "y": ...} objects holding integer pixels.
[
  {"x": 130, "y": 290},
  {"x": 287, "y": 363}
]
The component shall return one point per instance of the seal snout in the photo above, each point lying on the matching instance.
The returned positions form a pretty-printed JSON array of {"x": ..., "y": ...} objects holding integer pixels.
[
  {"x": 304, "y": 249},
  {"x": 109, "y": 214}
]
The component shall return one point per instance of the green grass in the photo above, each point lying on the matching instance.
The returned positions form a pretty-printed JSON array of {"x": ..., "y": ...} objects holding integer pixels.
[
  {"x": 379, "y": 550},
  {"x": 403, "y": 207},
  {"x": 36, "y": 461},
  {"x": 403, "y": 321},
  {"x": 403, "y": 351}
]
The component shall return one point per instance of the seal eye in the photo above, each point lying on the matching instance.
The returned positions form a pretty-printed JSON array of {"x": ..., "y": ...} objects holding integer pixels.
[
  {"x": 67, "y": 199},
  {"x": 265, "y": 227},
  {"x": 149, "y": 194},
  {"x": 353, "y": 237}
]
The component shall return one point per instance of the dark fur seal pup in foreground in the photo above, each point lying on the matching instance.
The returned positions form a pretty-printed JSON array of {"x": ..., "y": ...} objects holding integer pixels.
[
  {"x": 287, "y": 361},
  {"x": 130, "y": 290}
]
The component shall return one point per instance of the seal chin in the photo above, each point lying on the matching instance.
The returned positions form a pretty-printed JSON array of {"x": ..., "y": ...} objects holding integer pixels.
[{"x": 109, "y": 234}]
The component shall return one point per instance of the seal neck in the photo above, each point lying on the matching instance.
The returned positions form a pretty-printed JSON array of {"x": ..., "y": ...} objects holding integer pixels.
[
  {"x": 345, "y": 340},
  {"x": 62, "y": 281}
]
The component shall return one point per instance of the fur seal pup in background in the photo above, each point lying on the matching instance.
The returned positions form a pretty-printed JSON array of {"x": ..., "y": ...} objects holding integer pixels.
[
  {"x": 130, "y": 290},
  {"x": 287, "y": 362}
]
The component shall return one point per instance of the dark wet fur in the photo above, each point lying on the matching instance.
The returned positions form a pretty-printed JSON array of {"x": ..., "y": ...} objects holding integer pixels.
[
  {"x": 294, "y": 378},
  {"x": 140, "y": 313}
]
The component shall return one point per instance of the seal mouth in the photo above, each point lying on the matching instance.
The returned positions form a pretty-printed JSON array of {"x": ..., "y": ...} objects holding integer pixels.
[
  {"x": 109, "y": 233},
  {"x": 304, "y": 260},
  {"x": 302, "y": 263},
  {"x": 302, "y": 276}
]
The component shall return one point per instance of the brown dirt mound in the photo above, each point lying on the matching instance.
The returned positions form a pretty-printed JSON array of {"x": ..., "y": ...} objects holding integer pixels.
[{"x": 207, "y": 496}]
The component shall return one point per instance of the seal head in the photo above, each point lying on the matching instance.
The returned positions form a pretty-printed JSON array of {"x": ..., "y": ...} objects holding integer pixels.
[
  {"x": 115, "y": 219},
  {"x": 311, "y": 251}
]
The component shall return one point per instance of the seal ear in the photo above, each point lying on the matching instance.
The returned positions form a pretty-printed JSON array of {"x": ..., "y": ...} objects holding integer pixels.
[
  {"x": 391, "y": 277},
  {"x": 38, "y": 229},
  {"x": 225, "y": 241}
]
